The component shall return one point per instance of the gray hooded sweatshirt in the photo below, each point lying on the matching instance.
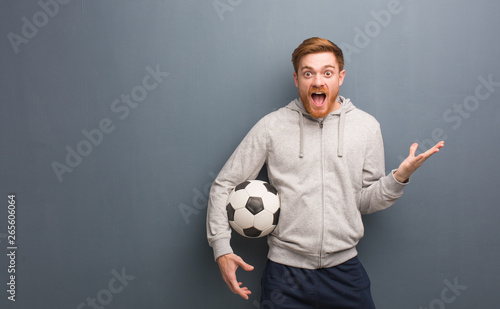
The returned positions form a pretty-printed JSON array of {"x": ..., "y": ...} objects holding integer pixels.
[{"x": 328, "y": 173}]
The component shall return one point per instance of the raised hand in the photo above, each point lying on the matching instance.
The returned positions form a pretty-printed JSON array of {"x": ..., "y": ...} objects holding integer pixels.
[{"x": 412, "y": 162}]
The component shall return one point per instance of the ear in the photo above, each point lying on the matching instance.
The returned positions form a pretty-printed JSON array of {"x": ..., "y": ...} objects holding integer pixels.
[
  {"x": 341, "y": 77},
  {"x": 296, "y": 79}
]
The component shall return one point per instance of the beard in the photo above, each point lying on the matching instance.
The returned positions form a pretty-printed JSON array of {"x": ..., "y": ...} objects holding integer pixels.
[{"x": 318, "y": 102}]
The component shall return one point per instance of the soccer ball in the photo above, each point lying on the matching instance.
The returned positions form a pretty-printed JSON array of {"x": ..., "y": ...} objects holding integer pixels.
[{"x": 253, "y": 208}]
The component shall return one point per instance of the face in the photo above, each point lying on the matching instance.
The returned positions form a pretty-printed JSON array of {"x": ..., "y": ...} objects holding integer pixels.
[{"x": 318, "y": 80}]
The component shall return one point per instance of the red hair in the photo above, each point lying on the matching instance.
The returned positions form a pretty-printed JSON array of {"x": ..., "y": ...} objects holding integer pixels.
[{"x": 317, "y": 45}]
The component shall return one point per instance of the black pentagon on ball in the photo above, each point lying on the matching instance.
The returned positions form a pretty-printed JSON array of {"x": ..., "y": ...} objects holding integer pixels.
[
  {"x": 242, "y": 185},
  {"x": 270, "y": 188},
  {"x": 254, "y": 205},
  {"x": 230, "y": 212},
  {"x": 252, "y": 232},
  {"x": 276, "y": 217}
]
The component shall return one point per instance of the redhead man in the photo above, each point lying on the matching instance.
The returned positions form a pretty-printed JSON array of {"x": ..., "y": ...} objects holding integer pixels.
[{"x": 326, "y": 159}]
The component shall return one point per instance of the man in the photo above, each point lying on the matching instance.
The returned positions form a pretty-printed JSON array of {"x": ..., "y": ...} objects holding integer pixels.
[{"x": 326, "y": 159}]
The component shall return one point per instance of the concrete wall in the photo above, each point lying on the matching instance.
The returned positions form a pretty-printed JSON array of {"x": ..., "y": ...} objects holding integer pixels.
[{"x": 116, "y": 115}]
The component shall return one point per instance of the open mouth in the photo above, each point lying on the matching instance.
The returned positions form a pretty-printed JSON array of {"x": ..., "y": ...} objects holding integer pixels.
[{"x": 318, "y": 98}]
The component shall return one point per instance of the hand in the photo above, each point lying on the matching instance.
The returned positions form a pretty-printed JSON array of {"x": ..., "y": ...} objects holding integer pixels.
[
  {"x": 228, "y": 265},
  {"x": 412, "y": 163}
]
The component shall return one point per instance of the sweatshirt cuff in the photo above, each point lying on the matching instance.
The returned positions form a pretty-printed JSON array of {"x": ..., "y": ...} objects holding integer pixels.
[
  {"x": 398, "y": 182},
  {"x": 221, "y": 247}
]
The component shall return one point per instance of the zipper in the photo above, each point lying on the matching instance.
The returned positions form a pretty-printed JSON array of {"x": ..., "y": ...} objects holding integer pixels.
[{"x": 322, "y": 195}]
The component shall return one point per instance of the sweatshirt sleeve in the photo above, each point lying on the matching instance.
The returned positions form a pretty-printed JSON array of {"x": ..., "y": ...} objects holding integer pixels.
[
  {"x": 245, "y": 163},
  {"x": 378, "y": 192}
]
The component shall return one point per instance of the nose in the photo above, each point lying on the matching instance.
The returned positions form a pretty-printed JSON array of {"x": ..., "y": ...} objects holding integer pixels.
[{"x": 318, "y": 81}]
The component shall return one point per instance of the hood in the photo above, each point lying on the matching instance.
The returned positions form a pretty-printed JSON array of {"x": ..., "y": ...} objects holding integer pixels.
[{"x": 345, "y": 107}]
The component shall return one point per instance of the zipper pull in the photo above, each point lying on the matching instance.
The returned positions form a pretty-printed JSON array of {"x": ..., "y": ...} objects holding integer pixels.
[{"x": 321, "y": 124}]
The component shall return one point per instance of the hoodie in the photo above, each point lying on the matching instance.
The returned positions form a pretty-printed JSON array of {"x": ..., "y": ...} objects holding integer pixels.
[{"x": 328, "y": 172}]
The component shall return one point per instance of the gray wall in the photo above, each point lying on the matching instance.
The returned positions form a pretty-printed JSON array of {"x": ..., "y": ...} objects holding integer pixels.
[{"x": 111, "y": 197}]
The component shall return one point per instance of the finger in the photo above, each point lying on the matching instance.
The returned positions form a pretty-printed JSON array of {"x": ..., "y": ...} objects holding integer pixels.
[
  {"x": 434, "y": 149},
  {"x": 244, "y": 289},
  {"x": 439, "y": 145},
  {"x": 244, "y": 265},
  {"x": 244, "y": 293},
  {"x": 413, "y": 149},
  {"x": 235, "y": 288}
]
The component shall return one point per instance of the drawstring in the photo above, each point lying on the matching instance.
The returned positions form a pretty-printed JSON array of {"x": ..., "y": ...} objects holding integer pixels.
[
  {"x": 340, "y": 146},
  {"x": 301, "y": 125}
]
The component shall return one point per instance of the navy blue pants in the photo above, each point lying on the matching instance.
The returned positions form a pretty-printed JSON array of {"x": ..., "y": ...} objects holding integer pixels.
[{"x": 345, "y": 286}]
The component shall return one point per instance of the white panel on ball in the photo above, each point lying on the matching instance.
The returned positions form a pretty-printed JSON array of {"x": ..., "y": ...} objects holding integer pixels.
[
  {"x": 244, "y": 218},
  {"x": 263, "y": 220},
  {"x": 235, "y": 227},
  {"x": 271, "y": 202},
  {"x": 256, "y": 188},
  {"x": 268, "y": 230},
  {"x": 239, "y": 199}
]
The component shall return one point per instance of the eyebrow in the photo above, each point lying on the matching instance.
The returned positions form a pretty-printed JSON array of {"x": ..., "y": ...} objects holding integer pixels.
[{"x": 324, "y": 67}]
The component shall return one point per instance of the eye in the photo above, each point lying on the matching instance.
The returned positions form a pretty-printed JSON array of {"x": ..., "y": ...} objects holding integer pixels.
[
  {"x": 328, "y": 73},
  {"x": 307, "y": 74}
]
